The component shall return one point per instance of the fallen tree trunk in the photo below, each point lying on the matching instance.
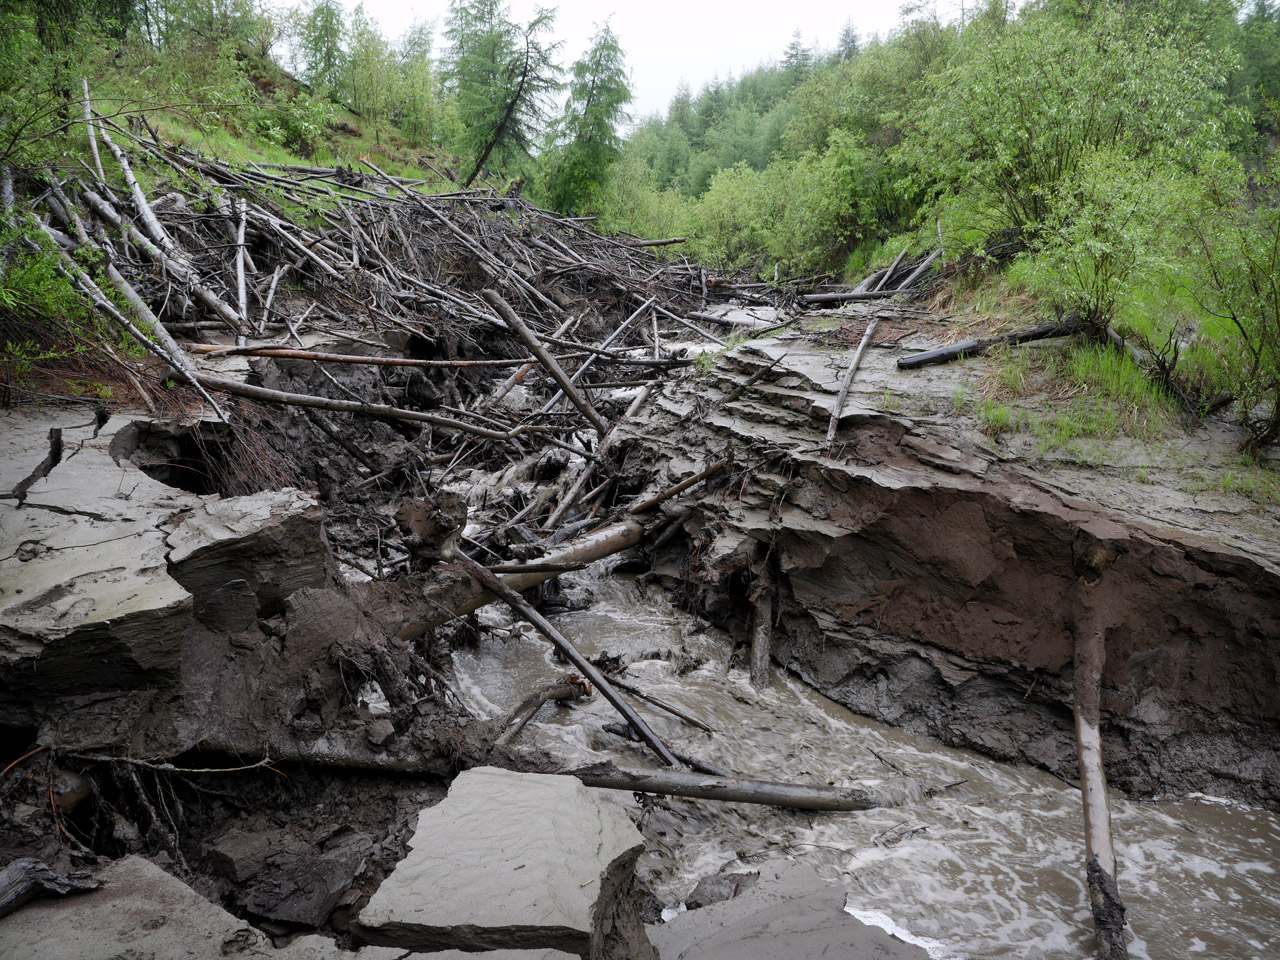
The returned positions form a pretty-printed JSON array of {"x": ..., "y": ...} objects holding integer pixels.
[
  {"x": 567, "y": 688},
  {"x": 26, "y": 878},
  {"x": 600, "y": 543},
  {"x": 518, "y": 326},
  {"x": 676, "y": 784},
  {"x": 973, "y": 348},
  {"x": 847, "y": 382}
]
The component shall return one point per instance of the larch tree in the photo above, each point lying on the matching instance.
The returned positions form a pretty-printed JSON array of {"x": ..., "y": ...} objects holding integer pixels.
[
  {"x": 323, "y": 32},
  {"x": 501, "y": 76},
  {"x": 585, "y": 139}
]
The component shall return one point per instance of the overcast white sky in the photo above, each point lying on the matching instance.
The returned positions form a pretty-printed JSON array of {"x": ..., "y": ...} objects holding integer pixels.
[{"x": 669, "y": 40}]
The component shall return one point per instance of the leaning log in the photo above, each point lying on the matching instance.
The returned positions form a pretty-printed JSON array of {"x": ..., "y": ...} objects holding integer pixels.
[
  {"x": 521, "y": 329},
  {"x": 675, "y": 784},
  {"x": 517, "y": 603}
]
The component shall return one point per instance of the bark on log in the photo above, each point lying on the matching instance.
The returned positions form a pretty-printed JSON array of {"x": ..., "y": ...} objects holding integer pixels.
[
  {"x": 676, "y": 784},
  {"x": 26, "y": 878},
  {"x": 561, "y": 643},
  {"x": 973, "y": 348}
]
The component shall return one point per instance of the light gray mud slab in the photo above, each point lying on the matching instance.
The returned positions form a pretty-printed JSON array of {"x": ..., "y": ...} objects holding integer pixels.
[
  {"x": 790, "y": 914},
  {"x": 143, "y": 912},
  {"x": 508, "y": 860},
  {"x": 87, "y": 604}
]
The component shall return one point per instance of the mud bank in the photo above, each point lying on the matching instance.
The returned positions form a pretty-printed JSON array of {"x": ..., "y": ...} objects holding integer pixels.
[{"x": 932, "y": 582}]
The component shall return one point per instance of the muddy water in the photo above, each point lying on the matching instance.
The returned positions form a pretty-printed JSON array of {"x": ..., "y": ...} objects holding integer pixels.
[{"x": 990, "y": 867}]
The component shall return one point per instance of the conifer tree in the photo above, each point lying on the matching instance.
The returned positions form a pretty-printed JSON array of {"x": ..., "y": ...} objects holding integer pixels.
[
  {"x": 501, "y": 76},
  {"x": 587, "y": 132}
]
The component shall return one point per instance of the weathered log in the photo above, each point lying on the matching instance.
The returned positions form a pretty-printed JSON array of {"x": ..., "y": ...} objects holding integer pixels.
[
  {"x": 676, "y": 784},
  {"x": 847, "y": 296},
  {"x": 89, "y": 129},
  {"x": 690, "y": 761},
  {"x": 597, "y": 544},
  {"x": 288, "y": 353},
  {"x": 656, "y": 243},
  {"x": 180, "y": 270},
  {"x": 605, "y": 344},
  {"x": 1100, "y": 857},
  {"x": 848, "y": 381},
  {"x": 888, "y": 274},
  {"x": 973, "y": 348},
  {"x": 236, "y": 388},
  {"x": 662, "y": 705},
  {"x": 646, "y": 505},
  {"x": 570, "y": 652},
  {"x": 918, "y": 272},
  {"x": 521, "y": 329}
]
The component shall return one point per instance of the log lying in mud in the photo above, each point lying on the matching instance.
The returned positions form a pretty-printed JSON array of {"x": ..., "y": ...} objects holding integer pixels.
[
  {"x": 675, "y": 784},
  {"x": 594, "y": 546},
  {"x": 26, "y": 878},
  {"x": 973, "y": 348},
  {"x": 567, "y": 688}
]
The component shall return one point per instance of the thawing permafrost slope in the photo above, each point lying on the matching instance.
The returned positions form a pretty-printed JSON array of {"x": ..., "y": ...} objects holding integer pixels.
[{"x": 931, "y": 582}]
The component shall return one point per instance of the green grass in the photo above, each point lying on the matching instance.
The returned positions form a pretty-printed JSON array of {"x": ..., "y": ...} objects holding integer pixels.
[{"x": 995, "y": 418}]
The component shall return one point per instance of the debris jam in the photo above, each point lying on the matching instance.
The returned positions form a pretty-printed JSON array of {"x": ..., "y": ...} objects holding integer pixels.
[{"x": 442, "y": 503}]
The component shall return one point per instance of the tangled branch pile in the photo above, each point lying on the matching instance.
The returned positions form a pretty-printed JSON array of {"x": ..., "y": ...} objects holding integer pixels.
[{"x": 512, "y": 328}]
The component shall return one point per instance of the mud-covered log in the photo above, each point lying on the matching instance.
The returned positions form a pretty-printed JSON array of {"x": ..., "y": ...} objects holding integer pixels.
[
  {"x": 973, "y": 348},
  {"x": 596, "y": 545},
  {"x": 847, "y": 382},
  {"x": 1100, "y": 856},
  {"x": 567, "y": 688},
  {"x": 676, "y": 784},
  {"x": 761, "y": 628}
]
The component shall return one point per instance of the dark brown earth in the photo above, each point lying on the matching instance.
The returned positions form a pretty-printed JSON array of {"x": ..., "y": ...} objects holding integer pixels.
[{"x": 928, "y": 582}]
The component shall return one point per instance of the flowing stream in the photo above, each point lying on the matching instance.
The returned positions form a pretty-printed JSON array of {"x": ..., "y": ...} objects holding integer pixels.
[{"x": 988, "y": 867}]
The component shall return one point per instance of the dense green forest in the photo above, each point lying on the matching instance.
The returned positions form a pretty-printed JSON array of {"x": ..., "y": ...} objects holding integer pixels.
[{"x": 1111, "y": 160}]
